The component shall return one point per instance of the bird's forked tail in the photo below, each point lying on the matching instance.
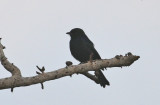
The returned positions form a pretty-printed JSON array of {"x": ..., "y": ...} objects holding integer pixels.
[{"x": 102, "y": 79}]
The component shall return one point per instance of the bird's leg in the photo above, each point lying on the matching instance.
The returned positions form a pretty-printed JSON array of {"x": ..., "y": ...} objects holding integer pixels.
[{"x": 91, "y": 57}]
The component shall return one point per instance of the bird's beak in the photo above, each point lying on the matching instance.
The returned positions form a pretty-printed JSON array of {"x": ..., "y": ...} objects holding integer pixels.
[{"x": 68, "y": 33}]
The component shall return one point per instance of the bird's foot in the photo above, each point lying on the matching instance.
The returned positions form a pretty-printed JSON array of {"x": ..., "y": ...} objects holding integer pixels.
[{"x": 91, "y": 58}]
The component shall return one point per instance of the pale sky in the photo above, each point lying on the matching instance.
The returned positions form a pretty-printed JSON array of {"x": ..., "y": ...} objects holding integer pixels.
[{"x": 33, "y": 32}]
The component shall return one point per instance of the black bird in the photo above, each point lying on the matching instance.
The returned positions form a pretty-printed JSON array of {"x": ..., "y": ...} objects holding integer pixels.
[{"x": 83, "y": 50}]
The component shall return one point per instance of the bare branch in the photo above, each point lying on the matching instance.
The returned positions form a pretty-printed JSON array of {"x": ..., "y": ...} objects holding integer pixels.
[
  {"x": 7, "y": 65},
  {"x": 90, "y": 76},
  {"x": 42, "y": 72},
  {"x": 98, "y": 64},
  {"x": 17, "y": 80}
]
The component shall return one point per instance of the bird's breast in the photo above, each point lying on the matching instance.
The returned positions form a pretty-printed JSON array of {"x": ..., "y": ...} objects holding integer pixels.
[{"x": 79, "y": 50}]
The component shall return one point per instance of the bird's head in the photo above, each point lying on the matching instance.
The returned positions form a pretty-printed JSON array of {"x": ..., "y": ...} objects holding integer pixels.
[{"x": 76, "y": 32}]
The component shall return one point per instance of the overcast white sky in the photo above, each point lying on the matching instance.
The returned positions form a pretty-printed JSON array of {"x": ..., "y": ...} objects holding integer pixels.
[{"x": 33, "y": 32}]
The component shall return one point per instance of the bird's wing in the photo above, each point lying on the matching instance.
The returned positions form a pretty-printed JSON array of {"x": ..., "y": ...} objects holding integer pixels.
[{"x": 89, "y": 46}]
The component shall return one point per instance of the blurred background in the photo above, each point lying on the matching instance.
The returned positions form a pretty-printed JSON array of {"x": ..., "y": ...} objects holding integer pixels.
[{"x": 33, "y": 32}]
